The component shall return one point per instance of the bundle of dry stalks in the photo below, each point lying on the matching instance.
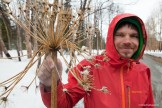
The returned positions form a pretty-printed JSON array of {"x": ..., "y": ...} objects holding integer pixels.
[{"x": 55, "y": 29}]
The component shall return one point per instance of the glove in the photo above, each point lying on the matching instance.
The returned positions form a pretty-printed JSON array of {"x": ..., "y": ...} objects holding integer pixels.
[{"x": 45, "y": 71}]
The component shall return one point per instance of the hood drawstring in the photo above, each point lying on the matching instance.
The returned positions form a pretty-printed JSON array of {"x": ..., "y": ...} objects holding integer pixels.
[
  {"x": 128, "y": 65},
  {"x": 137, "y": 62}
]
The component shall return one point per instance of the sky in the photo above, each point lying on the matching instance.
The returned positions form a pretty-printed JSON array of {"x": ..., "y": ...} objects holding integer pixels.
[{"x": 142, "y": 8}]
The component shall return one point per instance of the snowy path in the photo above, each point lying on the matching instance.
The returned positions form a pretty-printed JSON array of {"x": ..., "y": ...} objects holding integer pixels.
[{"x": 156, "y": 72}]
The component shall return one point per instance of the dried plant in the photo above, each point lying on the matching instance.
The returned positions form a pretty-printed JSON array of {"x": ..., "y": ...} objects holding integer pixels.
[{"x": 55, "y": 30}]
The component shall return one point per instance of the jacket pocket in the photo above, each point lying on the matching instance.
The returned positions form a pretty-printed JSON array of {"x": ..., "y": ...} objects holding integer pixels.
[{"x": 138, "y": 98}]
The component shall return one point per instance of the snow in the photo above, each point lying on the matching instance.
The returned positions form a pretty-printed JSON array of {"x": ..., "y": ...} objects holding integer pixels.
[
  {"x": 19, "y": 97},
  {"x": 31, "y": 98},
  {"x": 156, "y": 53}
]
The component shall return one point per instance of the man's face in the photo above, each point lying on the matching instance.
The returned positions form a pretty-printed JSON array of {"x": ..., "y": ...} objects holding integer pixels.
[{"x": 126, "y": 41}]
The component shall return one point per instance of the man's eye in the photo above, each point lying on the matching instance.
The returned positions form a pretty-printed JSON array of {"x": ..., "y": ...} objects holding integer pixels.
[
  {"x": 135, "y": 36},
  {"x": 119, "y": 34}
]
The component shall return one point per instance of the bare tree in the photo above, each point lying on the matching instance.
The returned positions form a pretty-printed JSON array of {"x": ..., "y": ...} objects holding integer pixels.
[
  {"x": 27, "y": 37},
  {"x": 34, "y": 18},
  {"x": 2, "y": 44},
  {"x": 1, "y": 52}
]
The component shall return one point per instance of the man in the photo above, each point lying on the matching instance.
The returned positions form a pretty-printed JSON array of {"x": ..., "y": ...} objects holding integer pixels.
[{"x": 118, "y": 69}]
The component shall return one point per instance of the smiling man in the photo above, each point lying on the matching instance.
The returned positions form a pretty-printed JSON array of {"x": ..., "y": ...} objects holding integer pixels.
[
  {"x": 126, "y": 39},
  {"x": 128, "y": 81}
]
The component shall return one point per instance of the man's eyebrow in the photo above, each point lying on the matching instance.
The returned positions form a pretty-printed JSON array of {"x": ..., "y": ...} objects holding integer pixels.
[
  {"x": 118, "y": 32},
  {"x": 135, "y": 33}
]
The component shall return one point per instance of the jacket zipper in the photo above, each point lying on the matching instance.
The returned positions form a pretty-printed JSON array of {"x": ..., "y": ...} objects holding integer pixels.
[
  {"x": 128, "y": 94},
  {"x": 122, "y": 87}
]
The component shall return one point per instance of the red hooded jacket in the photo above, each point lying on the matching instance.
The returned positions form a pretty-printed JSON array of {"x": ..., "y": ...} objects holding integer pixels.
[{"x": 127, "y": 80}]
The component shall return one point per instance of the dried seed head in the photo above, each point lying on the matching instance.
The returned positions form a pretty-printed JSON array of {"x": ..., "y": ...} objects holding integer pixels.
[
  {"x": 24, "y": 9},
  {"x": 9, "y": 12},
  {"x": 65, "y": 90},
  {"x": 97, "y": 65},
  {"x": 103, "y": 53},
  {"x": 84, "y": 48},
  {"x": 37, "y": 86},
  {"x": 86, "y": 79},
  {"x": 6, "y": 1},
  {"x": 89, "y": 25},
  {"x": 104, "y": 89},
  {"x": 43, "y": 2},
  {"x": 86, "y": 67},
  {"x": 19, "y": 7},
  {"x": 79, "y": 12},
  {"x": 5, "y": 88},
  {"x": 89, "y": 57},
  {"x": 59, "y": 6},
  {"x": 4, "y": 99},
  {"x": 85, "y": 72},
  {"x": 24, "y": 88},
  {"x": 50, "y": 5},
  {"x": 86, "y": 88},
  {"x": 34, "y": 6},
  {"x": 87, "y": 31},
  {"x": 105, "y": 59},
  {"x": 88, "y": 8},
  {"x": 46, "y": 8}
]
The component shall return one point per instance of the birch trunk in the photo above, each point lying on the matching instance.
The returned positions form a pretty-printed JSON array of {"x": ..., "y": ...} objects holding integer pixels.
[
  {"x": 27, "y": 37},
  {"x": 19, "y": 40}
]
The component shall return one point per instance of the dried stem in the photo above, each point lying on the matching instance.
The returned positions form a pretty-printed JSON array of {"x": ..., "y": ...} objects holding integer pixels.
[
  {"x": 54, "y": 82},
  {"x": 54, "y": 30}
]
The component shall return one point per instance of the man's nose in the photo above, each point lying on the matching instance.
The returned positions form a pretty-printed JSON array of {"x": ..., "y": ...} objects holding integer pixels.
[{"x": 127, "y": 39}]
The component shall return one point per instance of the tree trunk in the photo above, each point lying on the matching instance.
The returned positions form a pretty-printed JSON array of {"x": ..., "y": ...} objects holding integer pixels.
[
  {"x": 2, "y": 45},
  {"x": 27, "y": 37},
  {"x": 19, "y": 38},
  {"x": 19, "y": 42},
  {"x": 34, "y": 18},
  {"x": 1, "y": 52},
  {"x": 8, "y": 29}
]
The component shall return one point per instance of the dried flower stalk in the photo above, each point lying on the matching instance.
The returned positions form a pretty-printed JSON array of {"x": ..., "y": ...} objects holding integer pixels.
[{"x": 55, "y": 30}]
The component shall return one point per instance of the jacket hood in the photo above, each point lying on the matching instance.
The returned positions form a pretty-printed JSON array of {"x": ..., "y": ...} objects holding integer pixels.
[{"x": 110, "y": 47}]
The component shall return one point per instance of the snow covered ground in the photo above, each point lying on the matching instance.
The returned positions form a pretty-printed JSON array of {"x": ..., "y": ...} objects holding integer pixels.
[
  {"x": 156, "y": 53},
  {"x": 31, "y": 98},
  {"x": 20, "y": 98}
]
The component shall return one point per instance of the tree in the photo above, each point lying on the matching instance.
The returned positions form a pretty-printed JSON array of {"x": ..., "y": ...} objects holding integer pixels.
[
  {"x": 2, "y": 44},
  {"x": 153, "y": 26},
  {"x": 27, "y": 37}
]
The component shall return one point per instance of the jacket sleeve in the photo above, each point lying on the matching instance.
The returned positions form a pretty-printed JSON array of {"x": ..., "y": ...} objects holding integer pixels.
[
  {"x": 67, "y": 95},
  {"x": 150, "y": 100}
]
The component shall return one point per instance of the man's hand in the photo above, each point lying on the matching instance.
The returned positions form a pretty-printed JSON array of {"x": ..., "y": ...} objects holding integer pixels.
[{"x": 45, "y": 71}]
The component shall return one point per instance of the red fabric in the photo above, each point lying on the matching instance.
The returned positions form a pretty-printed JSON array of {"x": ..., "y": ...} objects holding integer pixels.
[{"x": 127, "y": 80}]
